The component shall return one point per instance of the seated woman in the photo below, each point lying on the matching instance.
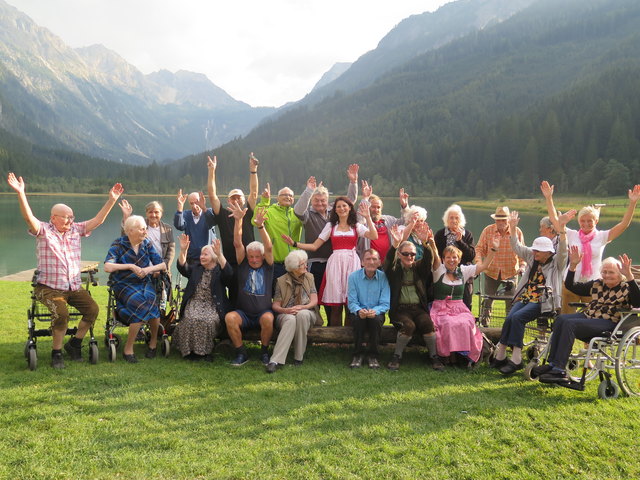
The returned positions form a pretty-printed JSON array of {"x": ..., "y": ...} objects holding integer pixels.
[
  {"x": 204, "y": 302},
  {"x": 456, "y": 330},
  {"x": 614, "y": 292},
  {"x": 417, "y": 216},
  {"x": 133, "y": 260},
  {"x": 544, "y": 271},
  {"x": 295, "y": 304}
]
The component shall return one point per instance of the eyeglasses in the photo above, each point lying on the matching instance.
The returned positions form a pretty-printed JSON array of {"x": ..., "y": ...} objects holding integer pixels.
[
  {"x": 303, "y": 265},
  {"x": 70, "y": 218},
  {"x": 408, "y": 254},
  {"x": 285, "y": 195}
]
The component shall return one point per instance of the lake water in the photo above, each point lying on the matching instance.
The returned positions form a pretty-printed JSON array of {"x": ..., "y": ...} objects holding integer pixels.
[{"x": 18, "y": 247}]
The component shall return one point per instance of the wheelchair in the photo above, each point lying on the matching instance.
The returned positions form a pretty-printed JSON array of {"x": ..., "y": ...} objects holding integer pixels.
[
  {"x": 113, "y": 340},
  {"x": 38, "y": 312}
]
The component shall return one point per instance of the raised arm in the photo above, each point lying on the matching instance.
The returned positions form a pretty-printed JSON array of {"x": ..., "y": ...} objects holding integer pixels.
[
  {"x": 486, "y": 261},
  {"x": 547, "y": 192},
  {"x": 18, "y": 185},
  {"x": 184, "y": 247},
  {"x": 217, "y": 248},
  {"x": 309, "y": 247},
  {"x": 212, "y": 164},
  {"x": 260, "y": 218},
  {"x": 301, "y": 208},
  {"x": 252, "y": 200},
  {"x": 114, "y": 194},
  {"x": 238, "y": 214},
  {"x": 352, "y": 189},
  {"x": 403, "y": 198},
  {"x": 363, "y": 211},
  {"x": 617, "y": 230}
]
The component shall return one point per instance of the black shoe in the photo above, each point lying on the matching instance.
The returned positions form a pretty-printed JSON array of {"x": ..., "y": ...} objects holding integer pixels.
[
  {"x": 394, "y": 363},
  {"x": 208, "y": 358},
  {"x": 74, "y": 352},
  {"x": 356, "y": 362},
  {"x": 297, "y": 363},
  {"x": 436, "y": 364},
  {"x": 265, "y": 359},
  {"x": 151, "y": 353},
  {"x": 57, "y": 361},
  {"x": 494, "y": 363},
  {"x": 540, "y": 370},
  {"x": 271, "y": 367},
  {"x": 554, "y": 377},
  {"x": 130, "y": 358},
  {"x": 511, "y": 368}
]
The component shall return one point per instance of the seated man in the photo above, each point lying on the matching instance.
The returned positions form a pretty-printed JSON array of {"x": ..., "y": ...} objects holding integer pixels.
[
  {"x": 198, "y": 223},
  {"x": 255, "y": 287},
  {"x": 58, "y": 255},
  {"x": 368, "y": 302}
]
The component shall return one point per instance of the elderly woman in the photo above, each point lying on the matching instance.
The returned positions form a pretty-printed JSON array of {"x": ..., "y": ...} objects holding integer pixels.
[
  {"x": 455, "y": 324},
  {"x": 588, "y": 238},
  {"x": 160, "y": 235},
  {"x": 295, "y": 303},
  {"x": 204, "y": 301},
  {"x": 416, "y": 216},
  {"x": 343, "y": 229},
  {"x": 454, "y": 234},
  {"x": 614, "y": 292},
  {"x": 132, "y": 260}
]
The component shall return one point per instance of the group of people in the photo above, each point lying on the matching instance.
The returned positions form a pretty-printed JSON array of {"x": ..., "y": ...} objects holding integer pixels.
[{"x": 363, "y": 265}]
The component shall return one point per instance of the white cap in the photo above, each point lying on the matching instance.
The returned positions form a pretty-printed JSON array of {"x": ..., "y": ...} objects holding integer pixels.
[{"x": 543, "y": 244}]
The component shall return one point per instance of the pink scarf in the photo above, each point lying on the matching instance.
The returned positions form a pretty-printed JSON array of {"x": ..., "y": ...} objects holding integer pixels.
[{"x": 585, "y": 240}]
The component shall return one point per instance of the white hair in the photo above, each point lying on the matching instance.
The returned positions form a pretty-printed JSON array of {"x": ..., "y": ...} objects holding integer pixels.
[
  {"x": 134, "y": 221},
  {"x": 294, "y": 259},
  {"x": 255, "y": 247},
  {"x": 408, "y": 213},
  {"x": 612, "y": 262},
  {"x": 454, "y": 208}
]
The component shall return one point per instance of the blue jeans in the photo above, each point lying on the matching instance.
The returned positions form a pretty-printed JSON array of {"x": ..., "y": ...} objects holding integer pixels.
[{"x": 513, "y": 328}]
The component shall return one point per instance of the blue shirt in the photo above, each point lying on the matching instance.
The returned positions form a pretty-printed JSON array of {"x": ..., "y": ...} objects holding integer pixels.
[{"x": 368, "y": 293}]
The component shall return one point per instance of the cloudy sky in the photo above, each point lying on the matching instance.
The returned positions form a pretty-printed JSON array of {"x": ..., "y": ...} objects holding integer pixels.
[{"x": 263, "y": 52}]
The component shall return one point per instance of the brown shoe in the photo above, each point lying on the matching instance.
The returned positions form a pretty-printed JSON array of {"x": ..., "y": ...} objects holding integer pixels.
[
  {"x": 436, "y": 364},
  {"x": 394, "y": 363}
]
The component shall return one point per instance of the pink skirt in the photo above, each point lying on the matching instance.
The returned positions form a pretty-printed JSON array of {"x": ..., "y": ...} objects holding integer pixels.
[
  {"x": 340, "y": 265},
  {"x": 456, "y": 329}
]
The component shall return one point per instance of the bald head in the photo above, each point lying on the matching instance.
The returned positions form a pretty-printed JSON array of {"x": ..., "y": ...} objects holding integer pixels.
[{"x": 62, "y": 217}]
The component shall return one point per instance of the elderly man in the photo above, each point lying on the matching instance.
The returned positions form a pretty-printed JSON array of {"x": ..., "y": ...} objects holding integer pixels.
[
  {"x": 255, "y": 287},
  {"x": 368, "y": 297},
  {"x": 506, "y": 264},
  {"x": 313, "y": 209},
  {"x": 198, "y": 223},
  {"x": 383, "y": 223},
  {"x": 58, "y": 255},
  {"x": 280, "y": 220}
]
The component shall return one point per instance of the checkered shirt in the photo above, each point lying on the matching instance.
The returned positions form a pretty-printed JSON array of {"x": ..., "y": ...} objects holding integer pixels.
[
  {"x": 58, "y": 255},
  {"x": 505, "y": 263}
]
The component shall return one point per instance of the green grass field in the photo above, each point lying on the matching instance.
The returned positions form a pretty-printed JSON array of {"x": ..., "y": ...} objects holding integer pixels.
[{"x": 174, "y": 419}]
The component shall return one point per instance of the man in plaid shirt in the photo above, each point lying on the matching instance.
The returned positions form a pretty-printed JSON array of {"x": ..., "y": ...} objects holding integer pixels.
[{"x": 58, "y": 254}]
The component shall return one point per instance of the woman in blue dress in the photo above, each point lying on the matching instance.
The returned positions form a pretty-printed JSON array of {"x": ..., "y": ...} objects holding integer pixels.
[{"x": 132, "y": 260}]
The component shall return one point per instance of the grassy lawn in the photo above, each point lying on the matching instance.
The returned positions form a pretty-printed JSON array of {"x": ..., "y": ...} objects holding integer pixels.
[{"x": 173, "y": 419}]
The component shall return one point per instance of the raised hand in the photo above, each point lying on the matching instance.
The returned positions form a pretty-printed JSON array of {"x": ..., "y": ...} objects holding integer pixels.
[
  {"x": 202, "y": 202},
  {"x": 261, "y": 216},
  {"x": 367, "y": 189},
  {"x": 626, "y": 266},
  {"x": 363, "y": 210},
  {"x": 634, "y": 194},
  {"x": 566, "y": 217},
  {"x": 116, "y": 191},
  {"x": 495, "y": 242},
  {"x": 126, "y": 208},
  {"x": 237, "y": 211},
  {"x": 311, "y": 183},
  {"x": 212, "y": 163},
  {"x": 352, "y": 172},
  {"x": 184, "y": 242},
  {"x": 546, "y": 189},
  {"x": 266, "y": 193},
  {"x": 423, "y": 232},
  {"x": 514, "y": 219},
  {"x": 217, "y": 246},
  {"x": 181, "y": 199},
  {"x": 396, "y": 236},
  {"x": 253, "y": 162},
  {"x": 17, "y": 183},
  {"x": 575, "y": 256},
  {"x": 404, "y": 198}
]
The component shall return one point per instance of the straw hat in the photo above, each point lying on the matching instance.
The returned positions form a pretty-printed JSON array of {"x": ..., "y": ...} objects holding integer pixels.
[{"x": 502, "y": 213}]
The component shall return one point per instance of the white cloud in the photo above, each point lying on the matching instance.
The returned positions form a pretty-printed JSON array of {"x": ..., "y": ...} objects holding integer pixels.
[{"x": 263, "y": 53}]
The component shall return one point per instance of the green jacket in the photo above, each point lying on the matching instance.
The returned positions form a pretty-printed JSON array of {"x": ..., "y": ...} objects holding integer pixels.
[{"x": 280, "y": 220}]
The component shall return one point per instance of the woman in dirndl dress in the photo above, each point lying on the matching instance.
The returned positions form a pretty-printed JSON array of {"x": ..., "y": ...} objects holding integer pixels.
[
  {"x": 344, "y": 230},
  {"x": 204, "y": 302},
  {"x": 456, "y": 329}
]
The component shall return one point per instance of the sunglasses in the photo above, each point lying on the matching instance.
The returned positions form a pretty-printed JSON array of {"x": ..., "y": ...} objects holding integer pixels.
[{"x": 408, "y": 254}]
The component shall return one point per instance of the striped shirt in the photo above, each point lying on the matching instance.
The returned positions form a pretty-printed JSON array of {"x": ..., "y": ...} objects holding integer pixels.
[{"x": 58, "y": 255}]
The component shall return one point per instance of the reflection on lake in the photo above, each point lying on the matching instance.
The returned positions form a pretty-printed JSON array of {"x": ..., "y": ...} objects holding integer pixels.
[{"x": 18, "y": 246}]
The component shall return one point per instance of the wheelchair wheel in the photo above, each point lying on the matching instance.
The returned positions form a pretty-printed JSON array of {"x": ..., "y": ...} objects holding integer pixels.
[
  {"x": 608, "y": 390},
  {"x": 32, "y": 358},
  {"x": 628, "y": 363},
  {"x": 94, "y": 354},
  {"x": 112, "y": 352},
  {"x": 528, "y": 374},
  {"x": 166, "y": 347},
  {"x": 26, "y": 349}
]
